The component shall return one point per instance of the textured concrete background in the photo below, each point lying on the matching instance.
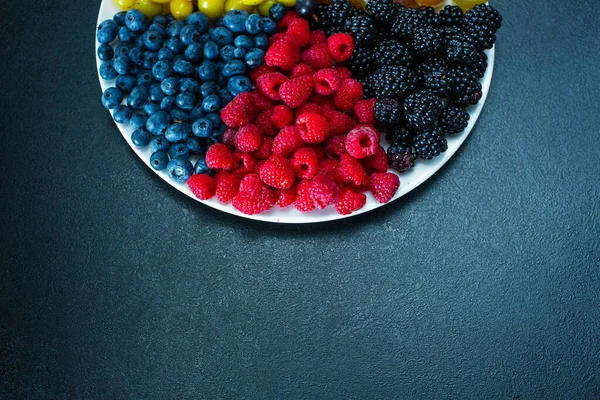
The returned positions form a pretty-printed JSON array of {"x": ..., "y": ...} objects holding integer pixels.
[{"x": 481, "y": 284}]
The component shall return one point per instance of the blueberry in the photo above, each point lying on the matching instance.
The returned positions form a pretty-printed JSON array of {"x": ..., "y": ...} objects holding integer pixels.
[
  {"x": 155, "y": 93},
  {"x": 159, "y": 143},
  {"x": 122, "y": 114},
  {"x": 107, "y": 31},
  {"x": 158, "y": 123},
  {"x": 254, "y": 24},
  {"x": 243, "y": 41},
  {"x": 211, "y": 103},
  {"x": 215, "y": 119},
  {"x": 140, "y": 137},
  {"x": 269, "y": 26},
  {"x": 135, "y": 55},
  {"x": 165, "y": 54},
  {"x": 149, "y": 58},
  {"x": 138, "y": 97},
  {"x": 111, "y": 98},
  {"x": 189, "y": 85},
  {"x": 208, "y": 88},
  {"x": 218, "y": 22},
  {"x": 235, "y": 67},
  {"x": 200, "y": 167},
  {"x": 207, "y": 71},
  {"x": 121, "y": 65},
  {"x": 119, "y": 18},
  {"x": 239, "y": 84},
  {"x": 235, "y": 20},
  {"x": 170, "y": 86},
  {"x": 224, "y": 96},
  {"x": 179, "y": 150},
  {"x": 202, "y": 127},
  {"x": 194, "y": 52},
  {"x": 151, "y": 108},
  {"x": 126, "y": 35},
  {"x": 226, "y": 53},
  {"x": 162, "y": 70},
  {"x": 135, "y": 20},
  {"x": 211, "y": 50},
  {"x": 105, "y": 52},
  {"x": 178, "y": 132},
  {"x": 221, "y": 81},
  {"x": 125, "y": 83},
  {"x": 167, "y": 103},
  {"x": 198, "y": 19},
  {"x": 107, "y": 70},
  {"x": 158, "y": 28},
  {"x": 159, "y": 160},
  {"x": 277, "y": 12},
  {"x": 254, "y": 58},
  {"x": 160, "y": 19},
  {"x": 189, "y": 34},
  {"x": 122, "y": 49},
  {"x": 239, "y": 53},
  {"x": 222, "y": 36},
  {"x": 194, "y": 146},
  {"x": 178, "y": 115},
  {"x": 175, "y": 46},
  {"x": 261, "y": 41},
  {"x": 174, "y": 28},
  {"x": 196, "y": 113},
  {"x": 144, "y": 78},
  {"x": 185, "y": 101},
  {"x": 138, "y": 120},
  {"x": 134, "y": 70},
  {"x": 152, "y": 40},
  {"x": 204, "y": 38},
  {"x": 139, "y": 43},
  {"x": 180, "y": 169}
]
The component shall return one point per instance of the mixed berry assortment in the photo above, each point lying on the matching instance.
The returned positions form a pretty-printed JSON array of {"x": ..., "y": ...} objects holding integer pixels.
[{"x": 290, "y": 110}]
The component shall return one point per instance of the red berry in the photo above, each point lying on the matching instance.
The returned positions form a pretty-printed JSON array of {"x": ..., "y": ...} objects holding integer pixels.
[
  {"x": 248, "y": 138},
  {"x": 326, "y": 81},
  {"x": 277, "y": 172},
  {"x": 340, "y": 46},
  {"x": 336, "y": 146},
  {"x": 309, "y": 108},
  {"x": 261, "y": 101},
  {"x": 263, "y": 121},
  {"x": 317, "y": 37},
  {"x": 265, "y": 149},
  {"x": 340, "y": 123},
  {"x": 286, "y": 197},
  {"x": 328, "y": 167},
  {"x": 254, "y": 196},
  {"x": 219, "y": 156},
  {"x": 349, "y": 201},
  {"x": 284, "y": 53},
  {"x": 243, "y": 163},
  {"x": 365, "y": 111},
  {"x": 282, "y": 116},
  {"x": 260, "y": 163},
  {"x": 348, "y": 94},
  {"x": 300, "y": 30},
  {"x": 313, "y": 128},
  {"x": 322, "y": 190},
  {"x": 240, "y": 111},
  {"x": 378, "y": 162},
  {"x": 276, "y": 37},
  {"x": 288, "y": 18},
  {"x": 364, "y": 185},
  {"x": 203, "y": 186},
  {"x": 384, "y": 186},
  {"x": 305, "y": 163},
  {"x": 317, "y": 56},
  {"x": 349, "y": 169},
  {"x": 304, "y": 203},
  {"x": 287, "y": 141},
  {"x": 301, "y": 70},
  {"x": 362, "y": 141},
  {"x": 228, "y": 136},
  {"x": 269, "y": 84},
  {"x": 319, "y": 151},
  {"x": 296, "y": 91},
  {"x": 343, "y": 72},
  {"x": 261, "y": 70},
  {"x": 227, "y": 186}
]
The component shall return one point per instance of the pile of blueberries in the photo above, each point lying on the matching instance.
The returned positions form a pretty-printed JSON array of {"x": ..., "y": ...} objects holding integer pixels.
[{"x": 172, "y": 78}]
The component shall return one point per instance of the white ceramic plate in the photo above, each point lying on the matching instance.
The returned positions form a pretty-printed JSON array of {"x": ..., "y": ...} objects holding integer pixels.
[{"x": 408, "y": 180}]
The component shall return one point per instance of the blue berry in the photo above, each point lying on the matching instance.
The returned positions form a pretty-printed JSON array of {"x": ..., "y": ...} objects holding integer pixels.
[
  {"x": 243, "y": 41},
  {"x": 269, "y": 26},
  {"x": 151, "y": 108},
  {"x": 122, "y": 114},
  {"x": 180, "y": 169},
  {"x": 208, "y": 88},
  {"x": 215, "y": 119},
  {"x": 218, "y": 22},
  {"x": 105, "y": 52},
  {"x": 207, "y": 71},
  {"x": 179, "y": 150},
  {"x": 226, "y": 53},
  {"x": 195, "y": 146},
  {"x": 138, "y": 97},
  {"x": 162, "y": 70},
  {"x": 126, "y": 35},
  {"x": 239, "y": 53},
  {"x": 138, "y": 120},
  {"x": 135, "y": 20},
  {"x": 277, "y": 12},
  {"x": 200, "y": 167},
  {"x": 167, "y": 103},
  {"x": 189, "y": 34},
  {"x": 194, "y": 52},
  {"x": 107, "y": 70},
  {"x": 144, "y": 78},
  {"x": 211, "y": 50},
  {"x": 139, "y": 42},
  {"x": 158, "y": 123},
  {"x": 159, "y": 143},
  {"x": 175, "y": 46},
  {"x": 165, "y": 54},
  {"x": 158, "y": 28},
  {"x": 239, "y": 84},
  {"x": 254, "y": 58},
  {"x": 135, "y": 55},
  {"x": 121, "y": 64},
  {"x": 119, "y": 18},
  {"x": 125, "y": 83},
  {"x": 189, "y": 85},
  {"x": 220, "y": 65},
  {"x": 221, "y": 81},
  {"x": 196, "y": 113},
  {"x": 179, "y": 57},
  {"x": 185, "y": 101},
  {"x": 107, "y": 31},
  {"x": 211, "y": 103},
  {"x": 261, "y": 41},
  {"x": 134, "y": 70},
  {"x": 224, "y": 96},
  {"x": 170, "y": 86},
  {"x": 178, "y": 132},
  {"x": 205, "y": 37},
  {"x": 235, "y": 20},
  {"x": 222, "y": 36},
  {"x": 202, "y": 127},
  {"x": 140, "y": 137},
  {"x": 149, "y": 58},
  {"x": 152, "y": 40},
  {"x": 178, "y": 115},
  {"x": 111, "y": 98},
  {"x": 160, "y": 19},
  {"x": 198, "y": 19},
  {"x": 159, "y": 160},
  {"x": 155, "y": 93},
  {"x": 174, "y": 28},
  {"x": 254, "y": 24},
  {"x": 235, "y": 67},
  {"x": 122, "y": 49}
]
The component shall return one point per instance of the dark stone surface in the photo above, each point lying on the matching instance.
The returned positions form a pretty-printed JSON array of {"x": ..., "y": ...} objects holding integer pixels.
[{"x": 481, "y": 284}]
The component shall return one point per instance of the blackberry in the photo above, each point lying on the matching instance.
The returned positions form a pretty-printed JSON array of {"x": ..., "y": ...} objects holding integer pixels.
[
  {"x": 451, "y": 16},
  {"x": 382, "y": 11},
  {"x": 451, "y": 31},
  {"x": 406, "y": 21},
  {"x": 461, "y": 50},
  {"x": 427, "y": 42},
  {"x": 392, "y": 81},
  {"x": 483, "y": 36},
  {"x": 338, "y": 11},
  {"x": 481, "y": 63},
  {"x": 430, "y": 143},
  {"x": 362, "y": 28},
  {"x": 387, "y": 112},
  {"x": 466, "y": 88},
  {"x": 435, "y": 76},
  {"x": 400, "y": 156},
  {"x": 429, "y": 16},
  {"x": 484, "y": 15},
  {"x": 422, "y": 109},
  {"x": 399, "y": 133},
  {"x": 361, "y": 63},
  {"x": 453, "y": 119},
  {"x": 320, "y": 20},
  {"x": 392, "y": 52}
]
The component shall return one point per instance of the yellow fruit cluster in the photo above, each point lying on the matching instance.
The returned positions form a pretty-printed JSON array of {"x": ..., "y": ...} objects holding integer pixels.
[{"x": 181, "y": 9}]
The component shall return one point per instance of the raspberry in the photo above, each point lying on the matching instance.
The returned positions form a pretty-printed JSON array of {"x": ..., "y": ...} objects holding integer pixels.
[
  {"x": 305, "y": 163},
  {"x": 349, "y": 201},
  {"x": 328, "y": 167},
  {"x": 301, "y": 70},
  {"x": 275, "y": 38},
  {"x": 243, "y": 163},
  {"x": 362, "y": 141},
  {"x": 261, "y": 101},
  {"x": 296, "y": 91},
  {"x": 322, "y": 190},
  {"x": 384, "y": 186},
  {"x": 326, "y": 81},
  {"x": 340, "y": 46},
  {"x": 343, "y": 72},
  {"x": 240, "y": 111},
  {"x": 289, "y": 17},
  {"x": 313, "y": 128},
  {"x": 261, "y": 70},
  {"x": 287, "y": 141},
  {"x": 378, "y": 162},
  {"x": 227, "y": 186},
  {"x": 309, "y": 108},
  {"x": 265, "y": 149},
  {"x": 286, "y": 197},
  {"x": 365, "y": 111},
  {"x": 300, "y": 30},
  {"x": 284, "y": 53},
  {"x": 269, "y": 84},
  {"x": 277, "y": 172},
  {"x": 282, "y": 116},
  {"x": 248, "y": 138},
  {"x": 254, "y": 196},
  {"x": 349, "y": 169},
  {"x": 203, "y": 186},
  {"x": 317, "y": 56},
  {"x": 219, "y": 156},
  {"x": 227, "y": 138},
  {"x": 304, "y": 203},
  {"x": 348, "y": 94},
  {"x": 317, "y": 37},
  {"x": 263, "y": 121},
  {"x": 319, "y": 151},
  {"x": 364, "y": 185},
  {"x": 259, "y": 165},
  {"x": 335, "y": 146},
  {"x": 323, "y": 101}
]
